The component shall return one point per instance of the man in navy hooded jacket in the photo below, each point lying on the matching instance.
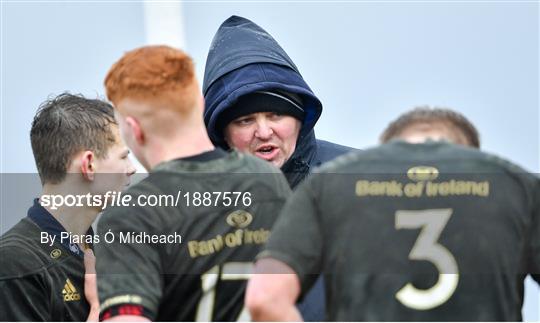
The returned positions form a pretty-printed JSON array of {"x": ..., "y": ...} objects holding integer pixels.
[{"x": 250, "y": 81}]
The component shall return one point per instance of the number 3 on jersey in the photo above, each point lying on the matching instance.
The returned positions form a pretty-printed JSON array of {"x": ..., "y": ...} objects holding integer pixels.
[
  {"x": 427, "y": 248},
  {"x": 230, "y": 271}
]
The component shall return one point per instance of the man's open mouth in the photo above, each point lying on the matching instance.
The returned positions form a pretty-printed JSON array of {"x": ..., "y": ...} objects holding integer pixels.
[{"x": 267, "y": 151}]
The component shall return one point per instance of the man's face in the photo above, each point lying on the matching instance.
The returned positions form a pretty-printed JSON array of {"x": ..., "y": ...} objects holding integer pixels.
[
  {"x": 267, "y": 135},
  {"x": 113, "y": 172}
]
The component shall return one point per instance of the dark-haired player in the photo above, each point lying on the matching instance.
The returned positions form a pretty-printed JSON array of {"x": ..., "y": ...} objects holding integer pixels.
[
  {"x": 74, "y": 141},
  {"x": 422, "y": 228},
  {"x": 203, "y": 276}
]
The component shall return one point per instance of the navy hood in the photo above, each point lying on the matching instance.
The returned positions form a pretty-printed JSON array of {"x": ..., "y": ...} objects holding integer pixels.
[{"x": 244, "y": 58}]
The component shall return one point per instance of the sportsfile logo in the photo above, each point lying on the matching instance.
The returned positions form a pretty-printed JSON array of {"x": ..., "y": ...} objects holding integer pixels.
[{"x": 70, "y": 292}]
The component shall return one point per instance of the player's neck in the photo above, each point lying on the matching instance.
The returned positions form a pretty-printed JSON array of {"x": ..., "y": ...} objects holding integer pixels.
[
  {"x": 75, "y": 219},
  {"x": 179, "y": 146}
]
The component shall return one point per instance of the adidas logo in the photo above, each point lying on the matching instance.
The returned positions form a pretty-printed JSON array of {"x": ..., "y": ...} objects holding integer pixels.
[{"x": 70, "y": 292}]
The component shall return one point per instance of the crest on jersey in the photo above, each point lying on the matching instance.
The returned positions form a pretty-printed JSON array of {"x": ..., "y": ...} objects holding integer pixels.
[
  {"x": 239, "y": 219},
  {"x": 56, "y": 253},
  {"x": 423, "y": 173}
]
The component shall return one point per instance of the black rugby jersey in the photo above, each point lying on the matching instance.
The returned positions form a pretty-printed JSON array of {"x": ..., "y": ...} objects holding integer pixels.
[
  {"x": 425, "y": 232},
  {"x": 203, "y": 277},
  {"x": 40, "y": 282}
]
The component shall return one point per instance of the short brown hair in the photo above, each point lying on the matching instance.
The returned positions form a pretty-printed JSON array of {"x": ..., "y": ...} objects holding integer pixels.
[
  {"x": 426, "y": 114},
  {"x": 147, "y": 72},
  {"x": 66, "y": 125}
]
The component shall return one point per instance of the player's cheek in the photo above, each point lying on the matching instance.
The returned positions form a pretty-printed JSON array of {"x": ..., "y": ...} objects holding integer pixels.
[{"x": 243, "y": 140}]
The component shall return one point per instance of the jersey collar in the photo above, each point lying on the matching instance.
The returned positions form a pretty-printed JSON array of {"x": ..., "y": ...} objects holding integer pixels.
[{"x": 40, "y": 216}]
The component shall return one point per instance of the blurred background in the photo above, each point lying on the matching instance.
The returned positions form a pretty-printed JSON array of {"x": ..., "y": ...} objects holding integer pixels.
[{"x": 367, "y": 61}]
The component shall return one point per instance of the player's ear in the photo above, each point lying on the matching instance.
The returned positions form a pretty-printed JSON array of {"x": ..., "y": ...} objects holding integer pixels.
[
  {"x": 88, "y": 167},
  {"x": 135, "y": 130}
]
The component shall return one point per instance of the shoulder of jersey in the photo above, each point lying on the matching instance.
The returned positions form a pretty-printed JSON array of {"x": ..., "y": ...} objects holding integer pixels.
[
  {"x": 22, "y": 254},
  {"x": 342, "y": 162},
  {"x": 149, "y": 184},
  {"x": 385, "y": 151},
  {"x": 497, "y": 161}
]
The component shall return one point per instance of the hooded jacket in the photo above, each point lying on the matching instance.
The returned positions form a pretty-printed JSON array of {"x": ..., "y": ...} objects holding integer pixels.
[{"x": 244, "y": 58}]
